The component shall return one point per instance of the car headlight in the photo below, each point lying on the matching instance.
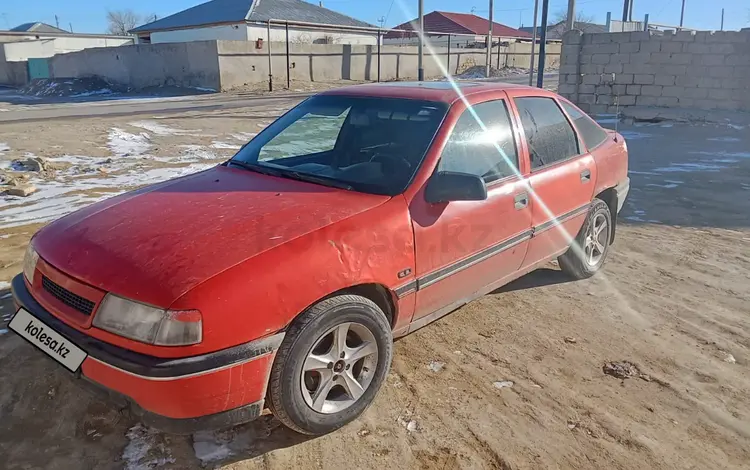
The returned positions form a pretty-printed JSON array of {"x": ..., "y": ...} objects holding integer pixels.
[
  {"x": 149, "y": 324},
  {"x": 29, "y": 263}
]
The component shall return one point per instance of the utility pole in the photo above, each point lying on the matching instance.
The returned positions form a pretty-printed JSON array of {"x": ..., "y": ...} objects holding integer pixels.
[
  {"x": 722, "y": 19},
  {"x": 57, "y": 22},
  {"x": 571, "y": 20},
  {"x": 630, "y": 10},
  {"x": 625, "y": 10},
  {"x": 533, "y": 43},
  {"x": 420, "y": 62},
  {"x": 488, "y": 66},
  {"x": 542, "y": 45},
  {"x": 682, "y": 13}
]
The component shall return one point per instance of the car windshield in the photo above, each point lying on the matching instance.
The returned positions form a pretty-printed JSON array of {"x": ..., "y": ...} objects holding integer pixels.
[{"x": 366, "y": 144}]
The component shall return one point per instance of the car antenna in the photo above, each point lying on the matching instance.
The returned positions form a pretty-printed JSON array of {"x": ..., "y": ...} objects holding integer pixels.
[{"x": 617, "y": 110}]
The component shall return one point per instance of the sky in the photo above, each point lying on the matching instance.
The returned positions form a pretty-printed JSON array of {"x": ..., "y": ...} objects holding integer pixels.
[{"x": 88, "y": 16}]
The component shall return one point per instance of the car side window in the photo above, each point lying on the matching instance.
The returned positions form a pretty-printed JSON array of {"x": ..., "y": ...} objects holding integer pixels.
[
  {"x": 548, "y": 133},
  {"x": 591, "y": 132},
  {"x": 486, "y": 149}
]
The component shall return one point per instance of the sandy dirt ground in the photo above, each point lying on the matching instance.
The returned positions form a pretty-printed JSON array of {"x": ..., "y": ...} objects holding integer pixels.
[{"x": 513, "y": 380}]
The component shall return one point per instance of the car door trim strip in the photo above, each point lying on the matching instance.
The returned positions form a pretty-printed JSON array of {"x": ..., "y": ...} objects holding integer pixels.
[
  {"x": 453, "y": 268},
  {"x": 561, "y": 219}
]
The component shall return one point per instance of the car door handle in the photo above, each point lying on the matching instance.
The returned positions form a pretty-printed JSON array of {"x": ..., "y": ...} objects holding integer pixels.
[
  {"x": 521, "y": 201},
  {"x": 585, "y": 176}
]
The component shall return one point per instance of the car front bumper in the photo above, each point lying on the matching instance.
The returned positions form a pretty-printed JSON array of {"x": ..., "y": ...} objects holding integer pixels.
[{"x": 209, "y": 391}]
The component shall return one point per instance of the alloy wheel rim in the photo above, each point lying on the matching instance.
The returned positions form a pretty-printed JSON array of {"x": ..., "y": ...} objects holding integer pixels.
[
  {"x": 596, "y": 240},
  {"x": 339, "y": 368}
]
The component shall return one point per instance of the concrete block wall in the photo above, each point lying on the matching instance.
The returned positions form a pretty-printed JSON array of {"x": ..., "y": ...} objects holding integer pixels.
[
  {"x": 12, "y": 73},
  {"x": 705, "y": 70},
  {"x": 188, "y": 64},
  {"x": 223, "y": 65},
  {"x": 241, "y": 63}
]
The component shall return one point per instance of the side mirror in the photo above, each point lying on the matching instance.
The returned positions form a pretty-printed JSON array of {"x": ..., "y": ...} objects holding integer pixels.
[{"x": 447, "y": 186}]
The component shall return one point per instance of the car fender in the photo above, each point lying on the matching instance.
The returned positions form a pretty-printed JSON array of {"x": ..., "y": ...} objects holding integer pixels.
[{"x": 264, "y": 294}]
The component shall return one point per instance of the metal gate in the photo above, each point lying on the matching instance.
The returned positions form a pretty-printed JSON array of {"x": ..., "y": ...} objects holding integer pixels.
[{"x": 38, "y": 68}]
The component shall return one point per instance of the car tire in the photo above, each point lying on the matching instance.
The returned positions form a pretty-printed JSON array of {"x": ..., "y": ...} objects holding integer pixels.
[
  {"x": 590, "y": 247},
  {"x": 299, "y": 381}
]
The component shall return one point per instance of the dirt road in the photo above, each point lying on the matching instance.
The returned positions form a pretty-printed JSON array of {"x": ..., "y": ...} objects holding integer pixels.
[{"x": 513, "y": 380}]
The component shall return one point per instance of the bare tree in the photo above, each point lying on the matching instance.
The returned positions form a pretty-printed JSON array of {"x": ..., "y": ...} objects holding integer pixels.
[
  {"x": 561, "y": 17},
  {"x": 122, "y": 21}
]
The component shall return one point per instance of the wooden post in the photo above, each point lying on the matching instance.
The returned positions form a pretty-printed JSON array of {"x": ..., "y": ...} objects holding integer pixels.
[
  {"x": 268, "y": 44},
  {"x": 288, "y": 68}
]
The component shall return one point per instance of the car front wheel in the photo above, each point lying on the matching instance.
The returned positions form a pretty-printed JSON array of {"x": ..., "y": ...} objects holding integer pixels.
[{"x": 331, "y": 364}]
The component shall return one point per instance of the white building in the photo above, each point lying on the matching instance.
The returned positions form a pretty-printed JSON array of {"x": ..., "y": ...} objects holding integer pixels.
[
  {"x": 25, "y": 48},
  {"x": 247, "y": 20}
]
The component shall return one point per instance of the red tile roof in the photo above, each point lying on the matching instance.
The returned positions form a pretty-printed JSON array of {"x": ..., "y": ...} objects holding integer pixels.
[{"x": 461, "y": 23}]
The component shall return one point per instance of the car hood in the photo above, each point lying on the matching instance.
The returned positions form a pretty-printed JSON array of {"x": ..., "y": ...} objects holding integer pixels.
[{"x": 155, "y": 244}]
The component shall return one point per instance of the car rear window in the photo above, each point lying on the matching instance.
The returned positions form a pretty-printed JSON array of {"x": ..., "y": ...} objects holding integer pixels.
[{"x": 591, "y": 133}]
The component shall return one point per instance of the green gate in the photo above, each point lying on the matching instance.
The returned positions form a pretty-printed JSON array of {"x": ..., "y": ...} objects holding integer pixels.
[{"x": 38, "y": 68}]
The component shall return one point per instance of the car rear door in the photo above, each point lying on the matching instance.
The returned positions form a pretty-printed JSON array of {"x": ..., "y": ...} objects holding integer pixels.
[
  {"x": 562, "y": 175},
  {"x": 464, "y": 246}
]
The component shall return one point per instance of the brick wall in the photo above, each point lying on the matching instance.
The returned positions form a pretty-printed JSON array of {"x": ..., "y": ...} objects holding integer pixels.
[{"x": 687, "y": 69}]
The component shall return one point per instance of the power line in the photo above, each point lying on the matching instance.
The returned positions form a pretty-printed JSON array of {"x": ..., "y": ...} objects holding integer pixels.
[{"x": 389, "y": 13}]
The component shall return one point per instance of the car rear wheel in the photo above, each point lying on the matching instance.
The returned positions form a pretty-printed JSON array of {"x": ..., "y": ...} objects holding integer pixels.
[
  {"x": 331, "y": 364},
  {"x": 590, "y": 247}
]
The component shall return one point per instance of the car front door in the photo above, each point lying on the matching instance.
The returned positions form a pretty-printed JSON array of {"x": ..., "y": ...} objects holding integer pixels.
[
  {"x": 562, "y": 176},
  {"x": 464, "y": 246}
]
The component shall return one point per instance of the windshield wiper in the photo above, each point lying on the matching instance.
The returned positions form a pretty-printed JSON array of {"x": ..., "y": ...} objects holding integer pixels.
[
  {"x": 316, "y": 179},
  {"x": 291, "y": 174},
  {"x": 251, "y": 167}
]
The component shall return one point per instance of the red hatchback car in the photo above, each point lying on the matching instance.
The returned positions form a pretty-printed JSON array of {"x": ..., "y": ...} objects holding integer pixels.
[{"x": 281, "y": 277}]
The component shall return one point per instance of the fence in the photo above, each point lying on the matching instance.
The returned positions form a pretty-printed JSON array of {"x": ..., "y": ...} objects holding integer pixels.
[
  {"x": 298, "y": 52},
  {"x": 388, "y": 55}
]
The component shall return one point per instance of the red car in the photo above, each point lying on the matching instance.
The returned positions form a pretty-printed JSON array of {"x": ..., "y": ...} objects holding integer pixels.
[{"x": 281, "y": 277}]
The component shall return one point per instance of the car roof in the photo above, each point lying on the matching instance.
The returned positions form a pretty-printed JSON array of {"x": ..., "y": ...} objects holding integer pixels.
[{"x": 444, "y": 91}]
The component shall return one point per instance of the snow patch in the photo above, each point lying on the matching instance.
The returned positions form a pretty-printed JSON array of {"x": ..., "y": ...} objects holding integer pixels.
[
  {"x": 4, "y": 285},
  {"x": 689, "y": 168},
  {"x": 53, "y": 201},
  {"x": 194, "y": 153},
  {"x": 633, "y": 135},
  {"x": 211, "y": 447},
  {"x": 607, "y": 118},
  {"x": 724, "y": 139},
  {"x": 125, "y": 144},
  {"x": 724, "y": 154},
  {"x": 3, "y": 147},
  {"x": 146, "y": 449},
  {"x": 160, "y": 129},
  {"x": 244, "y": 136},
  {"x": 3, "y": 331},
  {"x": 225, "y": 145},
  {"x": 103, "y": 91}
]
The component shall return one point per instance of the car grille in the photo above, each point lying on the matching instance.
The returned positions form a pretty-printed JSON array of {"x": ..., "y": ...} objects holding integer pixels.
[{"x": 70, "y": 299}]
